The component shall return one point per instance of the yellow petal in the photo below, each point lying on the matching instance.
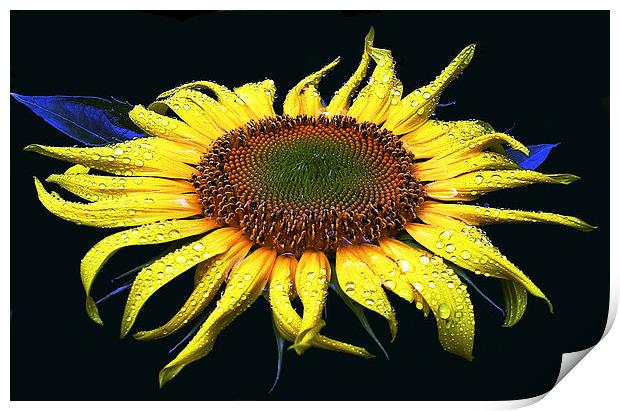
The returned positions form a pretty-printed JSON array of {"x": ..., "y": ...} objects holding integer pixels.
[
  {"x": 286, "y": 319},
  {"x": 468, "y": 247},
  {"x": 244, "y": 287},
  {"x": 339, "y": 104},
  {"x": 452, "y": 166},
  {"x": 382, "y": 92},
  {"x": 463, "y": 148},
  {"x": 232, "y": 104},
  {"x": 447, "y": 131},
  {"x": 259, "y": 97},
  {"x": 418, "y": 106},
  {"x": 210, "y": 116},
  {"x": 387, "y": 270},
  {"x": 156, "y": 233},
  {"x": 478, "y": 215},
  {"x": 515, "y": 299},
  {"x": 149, "y": 156},
  {"x": 363, "y": 286},
  {"x": 165, "y": 269},
  {"x": 134, "y": 210},
  {"x": 96, "y": 188},
  {"x": 189, "y": 132},
  {"x": 472, "y": 185},
  {"x": 212, "y": 274},
  {"x": 304, "y": 98},
  {"x": 442, "y": 290},
  {"x": 311, "y": 281}
]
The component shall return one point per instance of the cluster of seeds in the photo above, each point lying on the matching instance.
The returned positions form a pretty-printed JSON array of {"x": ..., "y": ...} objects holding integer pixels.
[{"x": 309, "y": 182}]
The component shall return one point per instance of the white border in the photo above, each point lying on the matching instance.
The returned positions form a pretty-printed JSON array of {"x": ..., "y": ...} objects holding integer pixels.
[{"x": 593, "y": 385}]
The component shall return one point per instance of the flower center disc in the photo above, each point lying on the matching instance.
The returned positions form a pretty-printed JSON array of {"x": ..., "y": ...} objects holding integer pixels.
[{"x": 309, "y": 182}]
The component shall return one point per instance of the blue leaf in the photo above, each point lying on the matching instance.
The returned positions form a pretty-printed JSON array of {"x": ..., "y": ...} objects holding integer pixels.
[
  {"x": 92, "y": 121},
  {"x": 538, "y": 154}
]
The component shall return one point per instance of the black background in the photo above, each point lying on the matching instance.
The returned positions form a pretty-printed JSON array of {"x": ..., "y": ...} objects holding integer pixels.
[{"x": 548, "y": 72}]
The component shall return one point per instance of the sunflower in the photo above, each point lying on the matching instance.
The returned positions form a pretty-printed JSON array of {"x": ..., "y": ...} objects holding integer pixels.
[{"x": 364, "y": 194}]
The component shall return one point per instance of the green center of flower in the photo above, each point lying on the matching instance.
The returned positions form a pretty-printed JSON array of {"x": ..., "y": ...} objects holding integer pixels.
[{"x": 306, "y": 182}]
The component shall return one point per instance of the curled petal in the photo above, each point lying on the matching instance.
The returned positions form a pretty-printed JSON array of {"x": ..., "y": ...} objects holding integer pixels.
[
  {"x": 363, "y": 286},
  {"x": 442, "y": 291},
  {"x": 382, "y": 92},
  {"x": 339, "y": 104},
  {"x": 386, "y": 269},
  {"x": 478, "y": 215},
  {"x": 189, "y": 132},
  {"x": 244, "y": 287},
  {"x": 157, "y": 233},
  {"x": 154, "y": 276},
  {"x": 311, "y": 281},
  {"x": 259, "y": 97},
  {"x": 211, "y": 274},
  {"x": 435, "y": 131},
  {"x": 196, "y": 109},
  {"x": 468, "y": 247},
  {"x": 418, "y": 106},
  {"x": 148, "y": 156},
  {"x": 286, "y": 319},
  {"x": 231, "y": 103},
  {"x": 472, "y": 185},
  {"x": 134, "y": 210},
  {"x": 515, "y": 299},
  {"x": 214, "y": 119},
  {"x": 95, "y": 188},
  {"x": 304, "y": 98},
  {"x": 452, "y": 166},
  {"x": 462, "y": 148}
]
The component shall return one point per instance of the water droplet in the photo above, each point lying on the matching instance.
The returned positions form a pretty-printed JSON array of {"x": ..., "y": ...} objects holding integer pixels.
[{"x": 444, "y": 311}]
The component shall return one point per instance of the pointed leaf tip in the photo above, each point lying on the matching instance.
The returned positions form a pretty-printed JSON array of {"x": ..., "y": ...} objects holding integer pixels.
[{"x": 538, "y": 153}]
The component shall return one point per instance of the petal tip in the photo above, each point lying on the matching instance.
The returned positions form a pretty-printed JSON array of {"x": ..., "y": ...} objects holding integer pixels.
[
  {"x": 93, "y": 311},
  {"x": 370, "y": 37},
  {"x": 565, "y": 178},
  {"x": 168, "y": 373},
  {"x": 32, "y": 147}
]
